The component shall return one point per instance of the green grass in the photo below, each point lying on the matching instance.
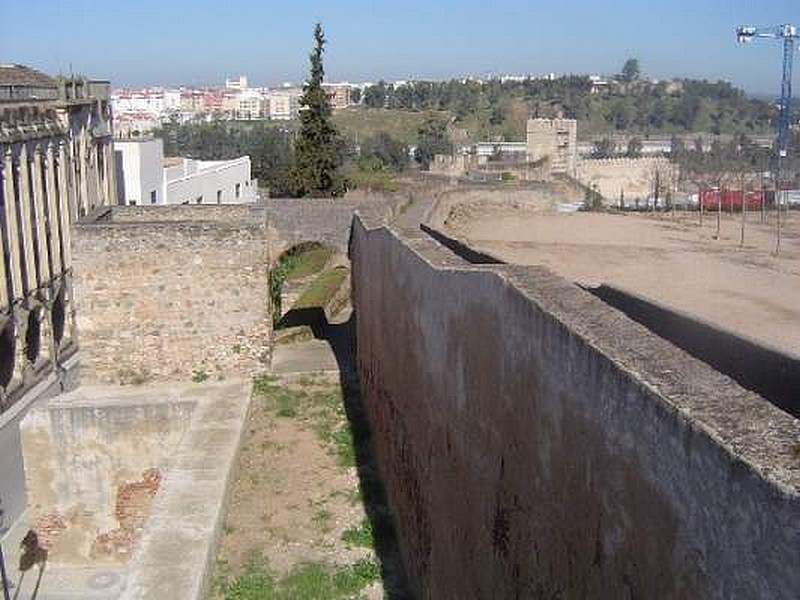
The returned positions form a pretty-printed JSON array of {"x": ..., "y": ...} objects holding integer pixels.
[
  {"x": 360, "y": 536},
  {"x": 368, "y": 122},
  {"x": 322, "y": 407},
  {"x": 309, "y": 262},
  {"x": 322, "y": 289},
  {"x": 306, "y": 581},
  {"x": 301, "y": 261},
  {"x": 322, "y": 517},
  {"x": 383, "y": 180}
]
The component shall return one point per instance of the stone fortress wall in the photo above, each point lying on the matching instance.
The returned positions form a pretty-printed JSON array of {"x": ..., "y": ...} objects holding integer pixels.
[
  {"x": 171, "y": 297},
  {"x": 536, "y": 442},
  {"x": 182, "y": 291},
  {"x": 635, "y": 177}
]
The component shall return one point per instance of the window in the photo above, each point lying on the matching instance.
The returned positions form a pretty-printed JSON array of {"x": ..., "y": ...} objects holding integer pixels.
[
  {"x": 238, "y": 189},
  {"x": 153, "y": 197},
  {"x": 219, "y": 196},
  {"x": 199, "y": 199}
]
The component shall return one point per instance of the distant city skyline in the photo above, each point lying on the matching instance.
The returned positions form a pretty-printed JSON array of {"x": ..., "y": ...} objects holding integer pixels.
[{"x": 200, "y": 43}]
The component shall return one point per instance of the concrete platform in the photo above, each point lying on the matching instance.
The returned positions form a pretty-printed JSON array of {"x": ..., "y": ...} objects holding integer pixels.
[
  {"x": 176, "y": 545},
  {"x": 304, "y": 357}
]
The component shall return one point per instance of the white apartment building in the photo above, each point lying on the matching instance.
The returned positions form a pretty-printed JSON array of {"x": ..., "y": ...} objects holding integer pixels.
[
  {"x": 145, "y": 178},
  {"x": 284, "y": 105},
  {"x": 240, "y": 83},
  {"x": 251, "y": 105},
  {"x": 156, "y": 102}
]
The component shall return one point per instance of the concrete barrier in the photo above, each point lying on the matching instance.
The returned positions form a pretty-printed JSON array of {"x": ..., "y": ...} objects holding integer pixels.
[
  {"x": 766, "y": 371},
  {"x": 537, "y": 443}
]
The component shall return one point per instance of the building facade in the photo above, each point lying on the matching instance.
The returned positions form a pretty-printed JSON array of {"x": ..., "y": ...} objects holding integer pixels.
[
  {"x": 56, "y": 158},
  {"x": 147, "y": 178},
  {"x": 284, "y": 105},
  {"x": 338, "y": 94}
]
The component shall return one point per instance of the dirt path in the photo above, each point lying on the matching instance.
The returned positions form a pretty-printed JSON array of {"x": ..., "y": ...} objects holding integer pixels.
[
  {"x": 307, "y": 516},
  {"x": 670, "y": 259}
]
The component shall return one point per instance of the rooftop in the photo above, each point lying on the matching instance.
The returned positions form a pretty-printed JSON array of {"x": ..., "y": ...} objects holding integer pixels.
[{"x": 19, "y": 75}]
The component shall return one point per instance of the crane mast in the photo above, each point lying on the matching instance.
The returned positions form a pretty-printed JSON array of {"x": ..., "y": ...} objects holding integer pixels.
[{"x": 788, "y": 33}]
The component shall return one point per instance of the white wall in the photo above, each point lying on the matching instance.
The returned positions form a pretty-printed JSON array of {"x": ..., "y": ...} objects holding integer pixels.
[
  {"x": 210, "y": 182},
  {"x": 142, "y": 171}
]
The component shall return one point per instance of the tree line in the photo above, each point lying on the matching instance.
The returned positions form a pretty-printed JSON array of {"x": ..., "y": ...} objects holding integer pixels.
[{"x": 623, "y": 103}]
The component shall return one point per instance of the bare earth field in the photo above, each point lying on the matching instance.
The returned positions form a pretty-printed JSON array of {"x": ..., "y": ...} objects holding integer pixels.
[{"x": 668, "y": 258}]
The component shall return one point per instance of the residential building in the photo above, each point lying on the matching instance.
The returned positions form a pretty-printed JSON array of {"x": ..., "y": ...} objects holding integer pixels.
[
  {"x": 251, "y": 105},
  {"x": 239, "y": 84},
  {"x": 338, "y": 94},
  {"x": 284, "y": 105},
  {"x": 147, "y": 178}
]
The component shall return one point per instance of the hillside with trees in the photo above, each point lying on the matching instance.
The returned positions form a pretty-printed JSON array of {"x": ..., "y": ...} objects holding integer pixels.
[{"x": 625, "y": 103}]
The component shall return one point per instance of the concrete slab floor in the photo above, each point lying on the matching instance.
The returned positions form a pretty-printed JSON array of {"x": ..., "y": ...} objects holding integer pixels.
[
  {"x": 177, "y": 543},
  {"x": 303, "y": 357}
]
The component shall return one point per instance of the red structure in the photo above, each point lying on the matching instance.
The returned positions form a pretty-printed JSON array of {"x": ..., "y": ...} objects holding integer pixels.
[{"x": 732, "y": 199}]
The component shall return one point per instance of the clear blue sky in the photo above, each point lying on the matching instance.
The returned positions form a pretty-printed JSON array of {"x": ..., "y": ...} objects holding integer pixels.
[{"x": 173, "y": 42}]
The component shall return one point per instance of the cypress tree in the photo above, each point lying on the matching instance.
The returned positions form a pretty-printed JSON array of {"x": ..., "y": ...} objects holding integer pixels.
[{"x": 315, "y": 171}]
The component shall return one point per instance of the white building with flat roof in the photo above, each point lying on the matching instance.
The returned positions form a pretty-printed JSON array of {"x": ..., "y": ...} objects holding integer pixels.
[
  {"x": 284, "y": 105},
  {"x": 238, "y": 83},
  {"x": 146, "y": 178}
]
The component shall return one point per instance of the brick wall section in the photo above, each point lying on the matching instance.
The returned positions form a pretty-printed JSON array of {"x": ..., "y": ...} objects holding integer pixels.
[
  {"x": 160, "y": 300},
  {"x": 536, "y": 443}
]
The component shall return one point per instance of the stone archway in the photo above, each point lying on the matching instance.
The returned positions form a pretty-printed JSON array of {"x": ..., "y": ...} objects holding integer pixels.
[{"x": 308, "y": 276}]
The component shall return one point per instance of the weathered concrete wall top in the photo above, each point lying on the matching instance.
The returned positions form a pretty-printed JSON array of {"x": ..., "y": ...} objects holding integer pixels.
[
  {"x": 536, "y": 443},
  {"x": 180, "y": 213}
]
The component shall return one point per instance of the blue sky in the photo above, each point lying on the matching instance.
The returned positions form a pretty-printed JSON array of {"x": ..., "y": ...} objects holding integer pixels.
[{"x": 173, "y": 42}]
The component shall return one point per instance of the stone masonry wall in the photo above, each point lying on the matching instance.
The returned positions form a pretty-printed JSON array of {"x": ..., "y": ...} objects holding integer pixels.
[
  {"x": 635, "y": 177},
  {"x": 163, "y": 300},
  {"x": 536, "y": 443},
  {"x": 322, "y": 220}
]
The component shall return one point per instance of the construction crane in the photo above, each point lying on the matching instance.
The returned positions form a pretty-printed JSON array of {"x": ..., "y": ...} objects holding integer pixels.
[{"x": 789, "y": 34}]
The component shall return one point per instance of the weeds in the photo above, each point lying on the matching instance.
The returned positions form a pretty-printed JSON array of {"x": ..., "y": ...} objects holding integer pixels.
[
  {"x": 309, "y": 581},
  {"x": 199, "y": 376},
  {"x": 131, "y": 376},
  {"x": 360, "y": 536}
]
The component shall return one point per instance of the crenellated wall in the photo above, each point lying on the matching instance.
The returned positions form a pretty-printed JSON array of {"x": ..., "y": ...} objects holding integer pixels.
[{"x": 537, "y": 443}]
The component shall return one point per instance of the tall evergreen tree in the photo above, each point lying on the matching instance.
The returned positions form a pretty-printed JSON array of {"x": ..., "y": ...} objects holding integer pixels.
[{"x": 315, "y": 171}]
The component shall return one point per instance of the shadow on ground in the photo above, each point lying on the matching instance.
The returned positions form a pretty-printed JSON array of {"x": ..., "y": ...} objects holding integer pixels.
[{"x": 342, "y": 339}]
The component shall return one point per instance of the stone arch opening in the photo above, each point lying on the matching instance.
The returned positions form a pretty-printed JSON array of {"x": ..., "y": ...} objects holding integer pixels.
[
  {"x": 308, "y": 267},
  {"x": 58, "y": 315},
  {"x": 33, "y": 336},
  {"x": 8, "y": 348}
]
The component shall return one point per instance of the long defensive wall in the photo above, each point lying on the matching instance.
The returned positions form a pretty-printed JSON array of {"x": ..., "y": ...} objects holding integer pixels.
[{"x": 537, "y": 443}]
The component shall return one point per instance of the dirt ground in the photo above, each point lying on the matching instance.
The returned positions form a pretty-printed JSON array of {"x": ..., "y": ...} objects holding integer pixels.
[
  {"x": 294, "y": 498},
  {"x": 666, "y": 257}
]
